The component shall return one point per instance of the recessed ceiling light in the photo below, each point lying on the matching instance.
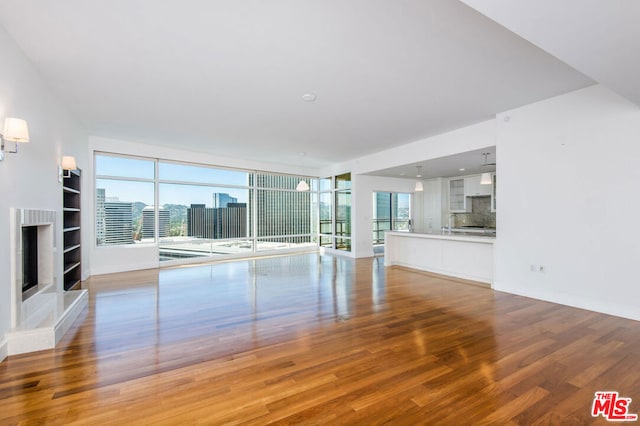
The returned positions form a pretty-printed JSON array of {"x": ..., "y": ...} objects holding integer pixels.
[
  {"x": 402, "y": 174},
  {"x": 309, "y": 97},
  {"x": 462, "y": 170}
]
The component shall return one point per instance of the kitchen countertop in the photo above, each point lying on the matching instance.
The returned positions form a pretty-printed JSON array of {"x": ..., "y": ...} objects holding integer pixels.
[
  {"x": 445, "y": 235},
  {"x": 469, "y": 257}
]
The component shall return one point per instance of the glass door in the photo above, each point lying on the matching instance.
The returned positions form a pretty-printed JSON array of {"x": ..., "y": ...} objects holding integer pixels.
[{"x": 391, "y": 212}]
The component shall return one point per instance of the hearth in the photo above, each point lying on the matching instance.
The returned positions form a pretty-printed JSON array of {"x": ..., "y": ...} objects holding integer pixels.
[{"x": 41, "y": 311}]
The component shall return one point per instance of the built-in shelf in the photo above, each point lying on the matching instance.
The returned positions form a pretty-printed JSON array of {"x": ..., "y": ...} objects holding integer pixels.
[
  {"x": 68, "y": 249},
  {"x": 70, "y": 267},
  {"x": 71, "y": 212}
]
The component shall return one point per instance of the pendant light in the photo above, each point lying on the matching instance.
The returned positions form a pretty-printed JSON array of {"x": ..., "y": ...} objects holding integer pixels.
[
  {"x": 485, "y": 179},
  {"x": 419, "y": 187},
  {"x": 302, "y": 186}
]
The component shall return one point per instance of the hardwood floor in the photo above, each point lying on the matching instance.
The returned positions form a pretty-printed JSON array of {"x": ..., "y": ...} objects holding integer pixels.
[{"x": 319, "y": 340}]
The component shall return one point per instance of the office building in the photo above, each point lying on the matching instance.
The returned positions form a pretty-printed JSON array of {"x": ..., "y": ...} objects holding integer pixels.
[
  {"x": 148, "y": 222},
  {"x": 222, "y": 200},
  {"x": 281, "y": 213},
  {"x": 100, "y": 216},
  {"x": 114, "y": 220},
  {"x": 217, "y": 223},
  {"x": 118, "y": 223},
  {"x": 549, "y": 90}
]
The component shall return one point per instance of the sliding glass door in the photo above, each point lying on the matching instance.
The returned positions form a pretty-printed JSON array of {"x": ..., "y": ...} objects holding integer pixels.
[{"x": 391, "y": 212}]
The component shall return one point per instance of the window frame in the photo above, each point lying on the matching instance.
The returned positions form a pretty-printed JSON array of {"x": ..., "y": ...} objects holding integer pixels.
[{"x": 252, "y": 187}]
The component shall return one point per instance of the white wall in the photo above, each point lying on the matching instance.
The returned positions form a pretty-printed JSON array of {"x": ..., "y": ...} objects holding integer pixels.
[
  {"x": 568, "y": 200},
  {"x": 29, "y": 179},
  {"x": 362, "y": 208},
  {"x": 476, "y": 136},
  {"x": 461, "y": 140}
]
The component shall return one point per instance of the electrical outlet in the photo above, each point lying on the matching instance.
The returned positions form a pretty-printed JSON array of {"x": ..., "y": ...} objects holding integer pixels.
[{"x": 533, "y": 268}]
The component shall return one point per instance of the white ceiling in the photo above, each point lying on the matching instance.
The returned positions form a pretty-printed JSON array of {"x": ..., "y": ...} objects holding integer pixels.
[
  {"x": 472, "y": 163},
  {"x": 226, "y": 77},
  {"x": 599, "y": 38}
]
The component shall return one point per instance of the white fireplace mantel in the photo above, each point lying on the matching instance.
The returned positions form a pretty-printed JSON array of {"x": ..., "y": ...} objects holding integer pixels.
[{"x": 40, "y": 320}]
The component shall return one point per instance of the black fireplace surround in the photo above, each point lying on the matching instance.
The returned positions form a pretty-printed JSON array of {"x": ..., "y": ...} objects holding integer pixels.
[{"x": 29, "y": 258}]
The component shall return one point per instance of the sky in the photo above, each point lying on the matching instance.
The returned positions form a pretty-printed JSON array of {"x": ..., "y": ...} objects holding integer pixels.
[
  {"x": 169, "y": 193},
  {"x": 173, "y": 193}
]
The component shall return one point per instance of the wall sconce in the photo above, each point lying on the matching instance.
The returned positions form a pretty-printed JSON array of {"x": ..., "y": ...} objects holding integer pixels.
[
  {"x": 67, "y": 164},
  {"x": 15, "y": 130}
]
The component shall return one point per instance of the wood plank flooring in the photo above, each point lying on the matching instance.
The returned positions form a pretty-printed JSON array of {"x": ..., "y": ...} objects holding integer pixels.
[{"x": 311, "y": 339}]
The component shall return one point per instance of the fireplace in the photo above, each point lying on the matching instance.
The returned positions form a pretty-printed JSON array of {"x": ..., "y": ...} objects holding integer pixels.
[
  {"x": 34, "y": 248},
  {"x": 41, "y": 311},
  {"x": 29, "y": 260},
  {"x": 34, "y": 257}
]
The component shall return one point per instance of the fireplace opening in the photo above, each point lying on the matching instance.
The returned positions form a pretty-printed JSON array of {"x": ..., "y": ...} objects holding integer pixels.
[{"x": 29, "y": 259}]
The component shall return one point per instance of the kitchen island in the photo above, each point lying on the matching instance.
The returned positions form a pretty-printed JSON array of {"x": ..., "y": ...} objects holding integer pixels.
[{"x": 459, "y": 255}]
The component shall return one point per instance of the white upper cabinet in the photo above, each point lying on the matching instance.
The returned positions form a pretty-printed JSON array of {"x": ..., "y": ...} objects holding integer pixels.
[
  {"x": 457, "y": 200},
  {"x": 473, "y": 187}
]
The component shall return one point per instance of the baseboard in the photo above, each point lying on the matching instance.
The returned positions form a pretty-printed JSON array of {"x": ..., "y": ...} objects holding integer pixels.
[
  {"x": 4, "y": 349},
  {"x": 124, "y": 268},
  {"x": 447, "y": 273},
  {"x": 73, "y": 311},
  {"x": 335, "y": 252},
  {"x": 617, "y": 310}
]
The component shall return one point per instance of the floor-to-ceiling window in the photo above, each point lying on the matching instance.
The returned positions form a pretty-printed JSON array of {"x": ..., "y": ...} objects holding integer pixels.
[
  {"x": 326, "y": 212},
  {"x": 283, "y": 215},
  {"x": 342, "y": 196},
  {"x": 391, "y": 212},
  {"x": 206, "y": 209},
  {"x": 334, "y": 211},
  {"x": 124, "y": 188},
  {"x": 193, "y": 210}
]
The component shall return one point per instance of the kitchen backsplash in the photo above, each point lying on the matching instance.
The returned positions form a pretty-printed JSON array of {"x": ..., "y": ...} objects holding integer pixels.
[{"x": 480, "y": 215}]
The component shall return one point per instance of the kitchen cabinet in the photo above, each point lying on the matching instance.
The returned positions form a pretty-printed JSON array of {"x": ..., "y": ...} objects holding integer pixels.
[
  {"x": 466, "y": 257},
  {"x": 457, "y": 199},
  {"x": 473, "y": 187},
  {"x": 434, "y": 205}
]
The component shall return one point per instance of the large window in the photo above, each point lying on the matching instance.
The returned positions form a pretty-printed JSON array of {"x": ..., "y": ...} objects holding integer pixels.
[
  {"x": 326, "y": 212},
  {"x": 202, "y": 211},
  {"x": 391, "y": 212},
  {"x": 206, "y": 209},
  {"x": 343, "y": 212},
  {"x": 335, "y": 212},
  {"x": 124, "y": 188}
]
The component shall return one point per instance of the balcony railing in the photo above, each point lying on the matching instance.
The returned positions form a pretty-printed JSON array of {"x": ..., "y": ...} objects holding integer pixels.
[{"x": 382, "y": 225}]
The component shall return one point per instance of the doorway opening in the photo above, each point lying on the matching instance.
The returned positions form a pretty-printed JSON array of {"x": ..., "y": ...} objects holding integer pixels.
[{"x": 391, "y": 212}]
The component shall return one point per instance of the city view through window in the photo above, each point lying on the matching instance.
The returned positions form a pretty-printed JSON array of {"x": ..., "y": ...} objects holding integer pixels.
[
  {"x": 391, "y": 212},
  {"x": 204, "y": 211}
]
